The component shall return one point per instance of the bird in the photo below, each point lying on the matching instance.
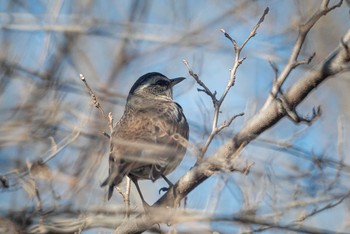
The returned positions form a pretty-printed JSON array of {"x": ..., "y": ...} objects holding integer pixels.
[{"x": 150, "y": 139}]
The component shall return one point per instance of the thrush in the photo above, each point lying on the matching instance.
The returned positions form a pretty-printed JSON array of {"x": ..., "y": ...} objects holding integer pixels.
[{"x": 150, "y": 139}]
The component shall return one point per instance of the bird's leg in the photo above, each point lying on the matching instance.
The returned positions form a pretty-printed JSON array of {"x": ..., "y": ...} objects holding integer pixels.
[
  {"x": 164, "y": 189},
  {"x": 144, "y": 203}
]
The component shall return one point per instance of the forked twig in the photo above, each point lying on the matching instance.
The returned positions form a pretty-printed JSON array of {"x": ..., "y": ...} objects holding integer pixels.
[
  {"x": 218, "y": 102},
  {"x": 205, "y": 89}
]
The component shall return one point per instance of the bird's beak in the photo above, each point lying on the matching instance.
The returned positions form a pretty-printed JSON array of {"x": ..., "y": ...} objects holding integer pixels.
[{"x": 176, "y": 81}]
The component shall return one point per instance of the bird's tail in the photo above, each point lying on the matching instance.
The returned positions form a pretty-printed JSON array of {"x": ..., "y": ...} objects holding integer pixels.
[
  {"x": 111, "y": 183},
  {"x": 116, "y": 174}
]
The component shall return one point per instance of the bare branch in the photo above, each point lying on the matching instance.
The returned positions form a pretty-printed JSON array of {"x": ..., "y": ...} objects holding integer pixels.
[
  {"x": 234, "y": 42},
  {"x": 216, "y": 131},
  {"x": 95, "y": 99},
  {"x": 304, "y": 61},
  {"x": 255, "y": 29},
  {"x": 292, "y": 63},
  {"x": 228, "y": 123},
  {"x": 294, "y": 116},
  {"x": 327, "y": 9},
  {"x": 238, "y": 61},
  {"x": 205, "y": 89}
]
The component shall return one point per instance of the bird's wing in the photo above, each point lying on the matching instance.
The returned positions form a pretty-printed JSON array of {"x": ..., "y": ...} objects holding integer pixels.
[
  {"x": 171, "y": 132},
  {"x": 121, "y": 154}
]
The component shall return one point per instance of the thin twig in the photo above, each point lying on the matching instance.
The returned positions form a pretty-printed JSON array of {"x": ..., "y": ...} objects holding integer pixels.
[
  {"x": 205, "y": 89},
  {"x": 93, "y": 97},
  {"x": 304, "y": 61},
  {"x": 255, "y": 29},
  {"x": 228, "y": 123}
]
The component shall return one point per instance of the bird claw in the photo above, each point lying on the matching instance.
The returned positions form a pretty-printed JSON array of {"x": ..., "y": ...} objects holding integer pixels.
[{"x": 164, "y": 189}]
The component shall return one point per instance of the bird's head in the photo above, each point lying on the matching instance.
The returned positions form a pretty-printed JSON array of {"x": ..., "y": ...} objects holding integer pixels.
[{"x": 154, "y": 86}]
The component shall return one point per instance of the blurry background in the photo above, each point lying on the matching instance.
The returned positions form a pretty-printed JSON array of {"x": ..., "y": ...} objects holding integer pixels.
[{"x": 47, "y": 113}]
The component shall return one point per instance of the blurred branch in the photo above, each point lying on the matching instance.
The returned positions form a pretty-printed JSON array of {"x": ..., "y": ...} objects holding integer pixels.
[
  {"x": 68, "y": 219},
  {"x": 47, "y": 156},
  {"x": 317, "y": 201},
  {"x": 319, "y": 210},
  {"x": 67, "y": 223},
  {"x": 178, "y": 217},
  {"x": 320, "y": 160}
]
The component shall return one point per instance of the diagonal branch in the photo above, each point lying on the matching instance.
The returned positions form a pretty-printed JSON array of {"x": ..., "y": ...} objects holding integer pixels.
[
  {"x": 265, "y": 119},
  {"x": 293, "y": 59}
]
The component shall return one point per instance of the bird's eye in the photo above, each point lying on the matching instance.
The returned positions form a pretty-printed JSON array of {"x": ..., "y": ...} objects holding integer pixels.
[{"x": 162, "y": 83}]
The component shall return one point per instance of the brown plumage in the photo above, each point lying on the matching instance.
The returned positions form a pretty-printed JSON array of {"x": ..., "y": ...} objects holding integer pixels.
[{"x": 150, "y": 139}]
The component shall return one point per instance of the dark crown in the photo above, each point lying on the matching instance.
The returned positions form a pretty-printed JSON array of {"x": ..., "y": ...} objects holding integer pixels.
[{"x": 143, "y": 79}]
